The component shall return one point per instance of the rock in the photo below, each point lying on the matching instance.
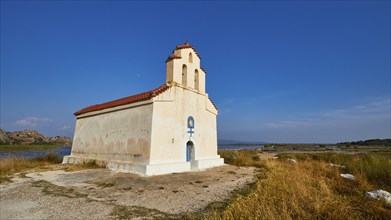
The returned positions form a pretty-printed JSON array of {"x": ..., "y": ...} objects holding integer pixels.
[
  {"x": 4, "y": 138},
  {"x": 292, "y": 160},
  {"x": 60, "y": 140},
  {"x": 336, "y": 165},
  {"x": 379, "y": 194},
  {"x": 31, "y": 137},
  {"x": 347, "y": 176}
]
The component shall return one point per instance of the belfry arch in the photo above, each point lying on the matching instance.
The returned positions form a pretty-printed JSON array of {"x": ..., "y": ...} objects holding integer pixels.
[
  {"x": 184, "y": 75},
  {"x": 190, "y": 57},
  {"x": 196, "y": 80}
]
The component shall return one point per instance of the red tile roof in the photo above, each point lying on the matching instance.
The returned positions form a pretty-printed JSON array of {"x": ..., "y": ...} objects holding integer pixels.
[
  {"x": 186, "y": 46},
  {"x": 173, "y": 57},
  {"x": 203, "y": 70},
  {"x": 123, "y": 101}
]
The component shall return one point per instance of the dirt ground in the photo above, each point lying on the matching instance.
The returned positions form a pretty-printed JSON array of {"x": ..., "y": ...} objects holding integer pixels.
[{"x": 104, "y": 194}]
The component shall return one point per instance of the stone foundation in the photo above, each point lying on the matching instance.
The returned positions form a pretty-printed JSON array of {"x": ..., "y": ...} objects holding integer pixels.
[{"x": 148, "y": 169}]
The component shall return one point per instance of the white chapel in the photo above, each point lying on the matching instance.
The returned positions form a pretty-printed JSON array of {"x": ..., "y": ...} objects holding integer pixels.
[{"x": 169, "y": 129}]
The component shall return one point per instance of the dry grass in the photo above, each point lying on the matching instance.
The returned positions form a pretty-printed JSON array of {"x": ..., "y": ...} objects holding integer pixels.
[
  {"x": 10, "y": 166},
  {"x": 309, "y": 189},
  {"x": 249, "y": 158},
  {"x": 50, "y": 161},
  {"x": 374, "y": 167}
]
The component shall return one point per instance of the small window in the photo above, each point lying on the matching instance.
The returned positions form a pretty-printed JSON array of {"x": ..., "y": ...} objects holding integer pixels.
[{"x": 190, "y": 58}]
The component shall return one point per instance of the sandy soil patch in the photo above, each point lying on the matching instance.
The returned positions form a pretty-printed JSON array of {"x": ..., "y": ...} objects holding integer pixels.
[{"x": 103, "y": 194}]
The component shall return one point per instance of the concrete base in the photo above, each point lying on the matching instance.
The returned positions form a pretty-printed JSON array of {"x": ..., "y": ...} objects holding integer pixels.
[
  {"x": 80, "y": 160},
  {"x": 148, "y": 169},
  {"x": 207, "y": 163}
]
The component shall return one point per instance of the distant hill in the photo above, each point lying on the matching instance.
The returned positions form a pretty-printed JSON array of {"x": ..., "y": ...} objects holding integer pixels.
[
  {"x": 31, "y": 137},
  {"x": 236, "y": 142},
  {"x": 370, "y": 142}
]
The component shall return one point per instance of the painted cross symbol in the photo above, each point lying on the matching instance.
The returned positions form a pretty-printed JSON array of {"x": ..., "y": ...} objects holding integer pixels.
[
  {"x": 191, "y": 132},
  {"x": 190, "y": 125}
]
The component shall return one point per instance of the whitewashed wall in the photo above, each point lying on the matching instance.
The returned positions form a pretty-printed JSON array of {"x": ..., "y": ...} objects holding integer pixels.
[
  {"x": 119, "y": 135},
  {"x": 170, "y": 131}
]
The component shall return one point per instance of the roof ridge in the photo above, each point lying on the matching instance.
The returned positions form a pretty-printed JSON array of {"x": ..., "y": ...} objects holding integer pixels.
[
  {"x": 173, "y": 57},
  {"x": 123, "y": 101},
  {"x": 186, "y": 46}
]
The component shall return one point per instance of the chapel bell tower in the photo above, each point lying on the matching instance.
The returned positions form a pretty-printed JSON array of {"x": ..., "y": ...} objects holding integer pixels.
[{"x": 183, "y": 69}]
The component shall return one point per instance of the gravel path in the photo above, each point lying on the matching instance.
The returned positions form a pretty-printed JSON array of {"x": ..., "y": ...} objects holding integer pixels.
[{"x": 103, "y": 194}]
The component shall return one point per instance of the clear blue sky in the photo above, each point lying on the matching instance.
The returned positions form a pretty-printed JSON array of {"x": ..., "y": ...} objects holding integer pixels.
[{"x": 279, "y": 71}]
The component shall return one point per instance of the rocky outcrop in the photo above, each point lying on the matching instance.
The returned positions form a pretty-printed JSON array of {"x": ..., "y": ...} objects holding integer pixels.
[
  {"x": 4, "y": 138},
  {"x": 60, "y": 140},
  {"x": 31, "y": 137}
]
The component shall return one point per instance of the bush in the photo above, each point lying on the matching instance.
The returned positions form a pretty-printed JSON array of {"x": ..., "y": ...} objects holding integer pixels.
[
  {"x": 50, "y": 158},
  {"x": 256, "y": 158}
]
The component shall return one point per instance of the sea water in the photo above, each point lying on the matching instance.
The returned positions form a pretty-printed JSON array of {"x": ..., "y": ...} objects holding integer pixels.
[{"x": 60, "y": 151}]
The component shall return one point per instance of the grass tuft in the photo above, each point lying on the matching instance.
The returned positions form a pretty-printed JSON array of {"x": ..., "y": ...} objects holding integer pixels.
[{"x": 49, "y": 158}]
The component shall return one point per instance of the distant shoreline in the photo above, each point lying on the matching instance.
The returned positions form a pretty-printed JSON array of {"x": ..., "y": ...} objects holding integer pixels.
[{"x": 30, "y": 146}]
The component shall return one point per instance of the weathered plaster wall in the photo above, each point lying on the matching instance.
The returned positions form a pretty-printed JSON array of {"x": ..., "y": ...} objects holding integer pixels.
[
  {"x": 119, "y": 135},
  {"x": 170, "y": 131}
]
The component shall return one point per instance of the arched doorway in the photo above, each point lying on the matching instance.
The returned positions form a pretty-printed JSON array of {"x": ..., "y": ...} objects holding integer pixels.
[{"x": 189, "y": 151}]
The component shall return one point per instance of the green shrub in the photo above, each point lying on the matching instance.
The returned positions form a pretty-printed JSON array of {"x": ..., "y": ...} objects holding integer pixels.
[
  {"x": 49, "y": 157},
  {"x": 256, "y": 158}
]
